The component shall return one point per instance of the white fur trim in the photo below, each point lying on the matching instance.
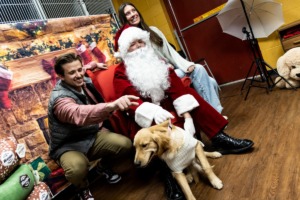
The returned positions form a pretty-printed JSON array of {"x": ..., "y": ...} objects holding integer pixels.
[
  {"x": 128, "y": 36},
  {"x": 4, "y": 73},
  {"x": 185, "y": 103},
  {"x": 92, "y": 45},
  {"x": 144, "y": 114}
]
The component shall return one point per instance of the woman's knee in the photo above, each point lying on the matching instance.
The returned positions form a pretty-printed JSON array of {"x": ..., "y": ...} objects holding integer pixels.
[
  {"x": 200, "y": 69},
  {"x": 213, "y": 81},
  {"x": 200, "y": 74}
]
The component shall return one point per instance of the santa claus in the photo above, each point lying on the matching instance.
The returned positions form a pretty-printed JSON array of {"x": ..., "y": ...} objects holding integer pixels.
[{"x": 162, "y": 94}]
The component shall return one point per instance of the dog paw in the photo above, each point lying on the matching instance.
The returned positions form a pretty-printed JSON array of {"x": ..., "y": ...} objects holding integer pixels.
[
  {"x": 189, "y": 178},
  {"x": 217, "y": 154},
  {"x": 213, "y": 154},
  {"x": 217, "y": 183}
]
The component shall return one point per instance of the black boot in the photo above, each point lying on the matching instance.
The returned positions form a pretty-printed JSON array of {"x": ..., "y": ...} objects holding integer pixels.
[
  {"x": 173, "y": 190},
  {"x": 225, "y": 144}
]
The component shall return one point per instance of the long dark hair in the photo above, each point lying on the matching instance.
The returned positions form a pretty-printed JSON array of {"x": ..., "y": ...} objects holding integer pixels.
[{"x": 154, "y": 37}]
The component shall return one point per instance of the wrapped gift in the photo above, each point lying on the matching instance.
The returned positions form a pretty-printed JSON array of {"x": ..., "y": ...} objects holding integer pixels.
[
  {"x": 18, "y": 185},
  {"x": 40, "y": 191},
  {"x": 41, "y": 168}
]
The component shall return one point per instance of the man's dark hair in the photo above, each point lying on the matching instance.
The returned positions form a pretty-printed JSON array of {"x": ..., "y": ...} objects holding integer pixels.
[
  {"x": 154, "y": 37},
  {"x": 64, "y": 59}
]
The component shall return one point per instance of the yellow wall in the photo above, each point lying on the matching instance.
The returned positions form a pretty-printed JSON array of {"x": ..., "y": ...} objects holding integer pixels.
[
  {"x": 271, "y": 47},
  {"x": 155, "y": 14}
]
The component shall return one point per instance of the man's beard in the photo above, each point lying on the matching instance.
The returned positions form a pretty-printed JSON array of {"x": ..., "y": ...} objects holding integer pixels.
[{"x": 148, "y": 73}]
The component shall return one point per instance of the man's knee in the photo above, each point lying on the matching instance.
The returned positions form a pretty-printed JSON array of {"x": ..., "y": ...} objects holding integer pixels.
[
  {"x": 77, "y": 174},
  {"x": 74, "y": 165},
  {"x": 126, "y": 144},
  {"x": 118, "y": 143},
  {"x": 78, "y": 169}
]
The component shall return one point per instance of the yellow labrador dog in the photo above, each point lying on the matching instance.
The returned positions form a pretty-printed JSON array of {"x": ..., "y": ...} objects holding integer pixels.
[{"x": 179, "y": 150}]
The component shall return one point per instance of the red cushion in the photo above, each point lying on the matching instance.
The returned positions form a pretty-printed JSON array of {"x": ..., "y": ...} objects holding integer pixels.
[
  {"x": 103, "y": 81},
  {"x": 186, "y": 81}
]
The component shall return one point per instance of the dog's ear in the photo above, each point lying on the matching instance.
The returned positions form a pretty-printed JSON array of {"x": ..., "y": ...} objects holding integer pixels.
[
  {"x": 166, "y": 123},
  {"x": 160, "y": 126},
  {"x": 162, "y": 140}
]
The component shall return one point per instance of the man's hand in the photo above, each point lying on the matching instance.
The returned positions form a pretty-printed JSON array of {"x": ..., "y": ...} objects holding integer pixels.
[
  {"x": 123, "y": 103},
  {"x": 162, "y": 115}
]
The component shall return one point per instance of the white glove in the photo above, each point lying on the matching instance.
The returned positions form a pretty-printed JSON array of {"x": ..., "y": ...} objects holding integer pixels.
[
  {"x": 189, "y": 126},
  {"x": 162, "y": 115}
]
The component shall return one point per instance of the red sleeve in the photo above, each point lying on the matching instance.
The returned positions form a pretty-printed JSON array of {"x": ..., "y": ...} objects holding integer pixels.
[
  {"x": 123, "y": 86},
  {"x": 68, "y": 111}
]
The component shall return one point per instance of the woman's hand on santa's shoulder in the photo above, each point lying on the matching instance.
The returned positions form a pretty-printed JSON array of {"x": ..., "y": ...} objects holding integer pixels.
[{"x": 190, "y": 69}]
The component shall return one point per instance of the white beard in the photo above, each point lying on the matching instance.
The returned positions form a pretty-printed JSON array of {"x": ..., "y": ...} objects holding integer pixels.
[{"x": 148, "y": 73}]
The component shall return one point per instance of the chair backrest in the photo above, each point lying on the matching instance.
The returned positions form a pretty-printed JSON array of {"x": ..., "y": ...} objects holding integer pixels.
[{"x": 103, "y": 81}]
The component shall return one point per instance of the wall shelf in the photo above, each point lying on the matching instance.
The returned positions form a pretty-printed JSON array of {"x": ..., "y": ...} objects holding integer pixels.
[{"x": 290, "y": 35}]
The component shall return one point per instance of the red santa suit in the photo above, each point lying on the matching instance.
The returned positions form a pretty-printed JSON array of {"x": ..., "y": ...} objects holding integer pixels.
[{"x": 178, "y": 100}]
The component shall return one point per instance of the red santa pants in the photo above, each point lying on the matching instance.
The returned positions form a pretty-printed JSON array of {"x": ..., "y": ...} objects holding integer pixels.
[{"x": 205, "y": 117}]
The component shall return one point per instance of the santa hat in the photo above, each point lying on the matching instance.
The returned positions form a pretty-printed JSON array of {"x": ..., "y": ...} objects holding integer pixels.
[
  {"x": 117, "y": 36},
  {"x": 129, "y": 35}
]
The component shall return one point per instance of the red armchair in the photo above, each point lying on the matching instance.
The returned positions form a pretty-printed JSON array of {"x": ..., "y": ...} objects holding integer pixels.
[{"x": 103, "y": 81}]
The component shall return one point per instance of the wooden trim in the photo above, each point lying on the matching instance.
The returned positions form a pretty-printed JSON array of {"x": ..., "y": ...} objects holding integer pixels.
[{"x": 29, "y": 71}]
